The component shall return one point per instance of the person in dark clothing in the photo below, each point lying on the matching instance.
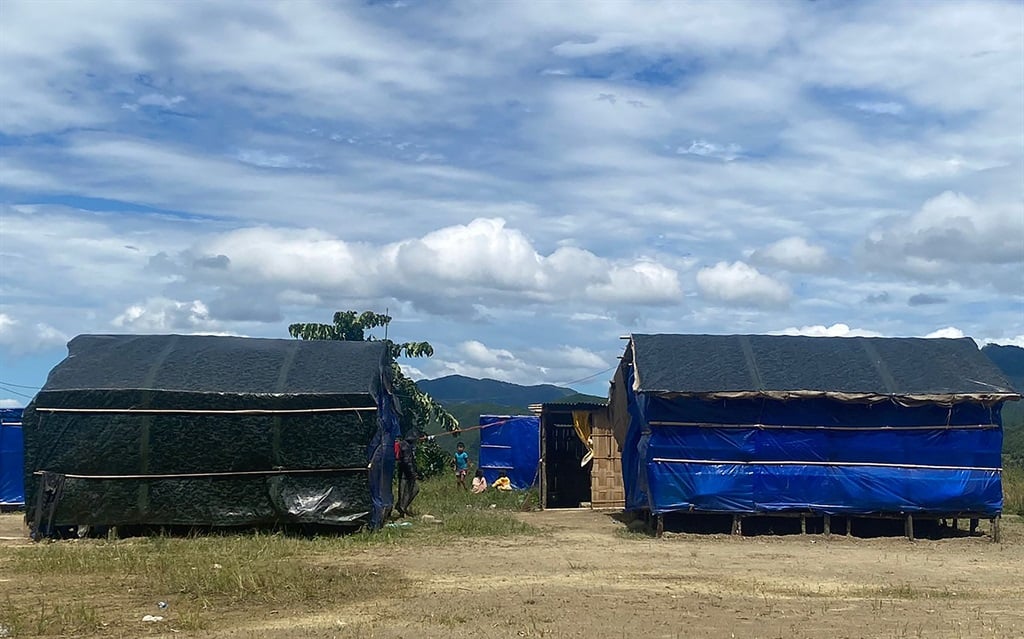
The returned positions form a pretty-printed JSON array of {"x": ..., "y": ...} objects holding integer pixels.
[{"x": 407, "y": 488}]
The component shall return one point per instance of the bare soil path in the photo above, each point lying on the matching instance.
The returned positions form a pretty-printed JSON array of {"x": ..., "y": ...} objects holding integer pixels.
[{"x": 584, "y": 577}]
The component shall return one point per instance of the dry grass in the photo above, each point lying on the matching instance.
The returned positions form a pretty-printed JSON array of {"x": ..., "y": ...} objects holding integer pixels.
[
  {"x": 90, "y": 585},
  {"x": 1013, "y": 489},
  {"x": 104, "y": 587}
]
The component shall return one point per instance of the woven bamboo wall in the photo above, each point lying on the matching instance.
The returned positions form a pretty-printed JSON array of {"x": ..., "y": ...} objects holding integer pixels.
[{"x": 606, "y": 489}]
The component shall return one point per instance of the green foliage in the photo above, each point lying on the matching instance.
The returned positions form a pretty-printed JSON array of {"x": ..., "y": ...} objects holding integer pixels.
[
  {"x": 419, "y": 410},
  {"x": 440, "y": 497},
  {"x": 431, "y": 459}
]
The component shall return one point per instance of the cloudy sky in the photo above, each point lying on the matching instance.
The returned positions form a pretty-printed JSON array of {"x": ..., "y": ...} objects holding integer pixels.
[{"x": 520, "y": 184}]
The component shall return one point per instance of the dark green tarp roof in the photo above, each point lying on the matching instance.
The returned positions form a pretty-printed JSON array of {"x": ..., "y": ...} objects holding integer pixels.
[
  {"x": 217, "y": 364},
  {"x": 850, "y": 368}
]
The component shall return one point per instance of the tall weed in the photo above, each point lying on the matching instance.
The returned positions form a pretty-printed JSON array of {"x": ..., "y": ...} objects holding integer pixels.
[{"x": 1013, "y": 488}]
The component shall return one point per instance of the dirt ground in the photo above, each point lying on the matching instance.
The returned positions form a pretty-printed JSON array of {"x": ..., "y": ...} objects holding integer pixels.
[{"x": 583, "y": 577}]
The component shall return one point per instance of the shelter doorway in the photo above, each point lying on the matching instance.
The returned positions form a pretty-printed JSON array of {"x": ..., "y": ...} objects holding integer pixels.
[{"x": 566, "y": 483}]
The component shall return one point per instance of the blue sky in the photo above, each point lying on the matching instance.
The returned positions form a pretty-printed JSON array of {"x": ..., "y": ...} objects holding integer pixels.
[{"x": 520, "y": 184}]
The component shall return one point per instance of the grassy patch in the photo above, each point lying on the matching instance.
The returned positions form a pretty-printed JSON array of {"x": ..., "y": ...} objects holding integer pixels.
[
  {"x": 439, "y": 496},
  {"x": 909, "y": 591},
  {"x": 463, "y": 514},
  {"x": 49, "y": 618},
  {"x": 100, "y": 587},
  {"x": 1013, "y": 488},
  {"x": 104, "y": 587},
  {"x": 243, "y": 569}
]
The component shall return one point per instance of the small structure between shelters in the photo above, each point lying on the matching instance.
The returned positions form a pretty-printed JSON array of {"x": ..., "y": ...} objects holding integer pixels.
[
  {"x": 189, "y": 430},
  {"x": 510, "y": 444},
  {"x": 12, "y": 459},
  {"x": 580, "y": 459},
  {"x": 778, "y": 425}
]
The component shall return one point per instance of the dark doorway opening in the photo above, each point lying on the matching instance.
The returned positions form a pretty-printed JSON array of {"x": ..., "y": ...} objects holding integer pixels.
[{"x": 566, "y": 483}]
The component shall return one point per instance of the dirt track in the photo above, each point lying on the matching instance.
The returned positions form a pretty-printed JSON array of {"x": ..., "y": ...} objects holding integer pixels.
[{"x": 583, "y": 578}]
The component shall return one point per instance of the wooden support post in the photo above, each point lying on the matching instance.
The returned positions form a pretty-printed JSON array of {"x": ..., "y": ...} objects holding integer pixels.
[
  {"x": 737, "y": 525},
  {"x": 803, "y": 524},
  {"x": 996, "y": 536},
  {"x": 828, "y": 526},
  {"x": 660, "y": 526},
  {"x": 849, "y": 526},
  {"x": 910, "y": 527},
  {"x": 956, "y": 524}
]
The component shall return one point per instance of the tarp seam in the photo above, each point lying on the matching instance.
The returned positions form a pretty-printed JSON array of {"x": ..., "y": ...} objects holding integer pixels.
[
  {"x": 817, "y": 427},
  {"x": 296, "y": 471},
  {"x": 191, "y": 411},
  {"x": 716, "y": 462}
]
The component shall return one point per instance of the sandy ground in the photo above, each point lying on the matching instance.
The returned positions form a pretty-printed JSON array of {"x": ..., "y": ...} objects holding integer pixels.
[{"x": 582, "y": 577}]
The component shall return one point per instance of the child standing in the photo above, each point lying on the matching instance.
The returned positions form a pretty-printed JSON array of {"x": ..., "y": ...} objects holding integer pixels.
[{"x": 461, "y": 466}]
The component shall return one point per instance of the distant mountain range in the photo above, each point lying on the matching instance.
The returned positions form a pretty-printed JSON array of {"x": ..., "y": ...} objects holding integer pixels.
[
  {"x": 459, "y": 389},
  {"x": 1010, "y": 360},
  {"x": 467, "y": 399}
]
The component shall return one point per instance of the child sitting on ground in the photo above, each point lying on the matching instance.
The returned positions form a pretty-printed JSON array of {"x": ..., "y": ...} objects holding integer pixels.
[
  {"x": 503, "y": 482},
  {"x": 479, "y": 482}
]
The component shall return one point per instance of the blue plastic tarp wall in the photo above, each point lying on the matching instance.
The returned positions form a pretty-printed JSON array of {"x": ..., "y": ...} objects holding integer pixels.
[
  {"x": 820, "y": 455},
  {"x": 381, "y": 456},
  {"x": 510, "y": 444},
  {"x": 12, "y": 458}
]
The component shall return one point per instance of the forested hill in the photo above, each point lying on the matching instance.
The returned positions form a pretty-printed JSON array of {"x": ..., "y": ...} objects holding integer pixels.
[
  {"x": 458, "y": 389},
  {"x": 1010, "y": 360},
  {"x": 467, "y": 399}
]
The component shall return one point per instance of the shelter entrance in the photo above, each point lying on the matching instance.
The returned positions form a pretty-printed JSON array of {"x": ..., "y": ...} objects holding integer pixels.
[{"x": 566, "y": 482}]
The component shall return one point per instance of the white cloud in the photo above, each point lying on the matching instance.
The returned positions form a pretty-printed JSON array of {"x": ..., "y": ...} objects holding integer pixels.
[
  {"x": 793, "y": 254},
  {"x": 895, "y": 49},
  {"x": 483, "y": 259},
  {"x": 160, "y": 100},
  {"x": 740, "y": 283},
  {"x": 21, "y": 337},
  {"x": 401, "y": 128},
  {"x": 881, "y": 108},
  {"x": 11, "y": 403},
  {"x": 835, "y": 330},
  {"x": 473, "y": 358},
  {"x": 1017, "y": 340},
  {"x": 950, "y": 332},
  {"x": 589, "y": 317},
  {"x": 703, "y": 148},
  {"x": 159, "y": 314},
  {"x": 262, "y": 159},
  {"x": 948, "y": 236}
]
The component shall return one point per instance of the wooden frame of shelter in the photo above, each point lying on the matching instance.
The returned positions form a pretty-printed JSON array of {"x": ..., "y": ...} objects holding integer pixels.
[{"x": 580, "y": 459}]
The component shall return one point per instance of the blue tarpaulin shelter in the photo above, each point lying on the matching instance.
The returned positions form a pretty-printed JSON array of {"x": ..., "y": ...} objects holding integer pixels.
[
  {"x": 12, "y": 458},
  {"x": 510, "y": 443},
  {"x": 748, "y": 424}
]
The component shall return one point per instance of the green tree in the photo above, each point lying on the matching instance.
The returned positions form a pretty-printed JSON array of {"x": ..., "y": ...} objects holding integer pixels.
[{"x": 419, "y": 410}]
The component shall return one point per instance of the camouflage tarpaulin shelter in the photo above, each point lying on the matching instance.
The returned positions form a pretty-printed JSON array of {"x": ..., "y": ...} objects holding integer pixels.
[{"x": 204, "y": 430}]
